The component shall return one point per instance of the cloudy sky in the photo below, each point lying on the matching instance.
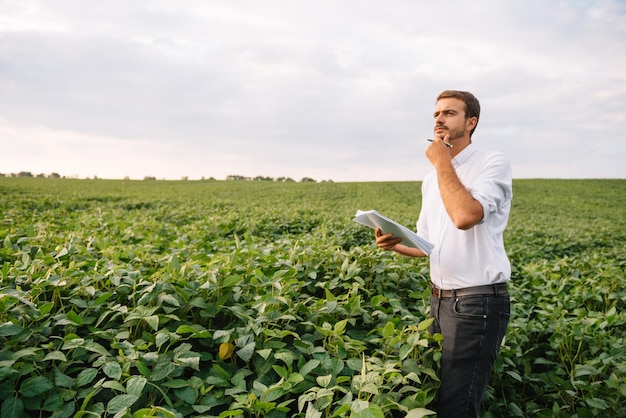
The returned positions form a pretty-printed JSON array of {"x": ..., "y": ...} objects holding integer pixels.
[{"x": 328, "y": 89}]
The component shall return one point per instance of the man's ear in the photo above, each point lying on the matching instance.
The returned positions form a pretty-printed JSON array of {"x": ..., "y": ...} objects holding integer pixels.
[{"x": 471, "y": 123}]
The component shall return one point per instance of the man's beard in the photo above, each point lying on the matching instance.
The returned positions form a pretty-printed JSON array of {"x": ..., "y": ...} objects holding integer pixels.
[{"x": 454, "y": 133}]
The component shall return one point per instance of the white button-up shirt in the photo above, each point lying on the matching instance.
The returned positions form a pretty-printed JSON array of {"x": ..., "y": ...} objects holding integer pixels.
[{"x": 473, "y": 257}]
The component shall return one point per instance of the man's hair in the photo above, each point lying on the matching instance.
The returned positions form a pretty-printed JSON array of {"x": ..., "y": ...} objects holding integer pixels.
[{"x": 472, "y": 106}]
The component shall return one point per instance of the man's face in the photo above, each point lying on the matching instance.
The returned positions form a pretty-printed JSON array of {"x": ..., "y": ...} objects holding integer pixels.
[{"x": 450, "y": 118}]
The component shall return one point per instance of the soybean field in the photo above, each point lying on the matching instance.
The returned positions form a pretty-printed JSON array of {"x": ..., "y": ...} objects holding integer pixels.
[{"x": 122, "y": 298}]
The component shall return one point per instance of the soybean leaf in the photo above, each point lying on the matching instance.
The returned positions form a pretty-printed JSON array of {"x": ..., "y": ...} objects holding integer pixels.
[
  {"x": 187, "y": 394},
  {"x": 419, "y": 413},
  {"x": 112, "y": 369},
  {"x": 35, "y": 386},
  {"x": 96, "y": 348},
  {"x": 135, "y": 385},
  {"x": 85, "y": 377},
  {"x": 10, "y": 329},
  {"x": 65, "y": 412},
  {"x": 55, "y": 355},
  {"x": 161, "y": 371},
  {"x": 62, "y": 380},
  {"x": 11, "y": 408},
  {"x": 121, "y": 402},
  {"x": 246, "y": 352},
  {"x": 53, "y": 403},
  {"x": 309, "y": 366}
]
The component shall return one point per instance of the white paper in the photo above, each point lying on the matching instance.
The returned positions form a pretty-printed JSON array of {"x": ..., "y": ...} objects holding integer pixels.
[{"x": 373, "y": 219}]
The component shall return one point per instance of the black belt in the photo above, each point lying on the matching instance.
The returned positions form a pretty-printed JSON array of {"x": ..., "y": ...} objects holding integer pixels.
[{"x": 492, "y": 289}]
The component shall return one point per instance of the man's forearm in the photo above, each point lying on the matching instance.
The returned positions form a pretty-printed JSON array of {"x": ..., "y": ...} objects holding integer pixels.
[
  {"x": 463, "y": 209},
  {"x": 408, "y": 251}
]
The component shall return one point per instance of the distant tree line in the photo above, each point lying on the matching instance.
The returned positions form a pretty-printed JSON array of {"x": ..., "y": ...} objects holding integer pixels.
[
  {"x": 231, "y": 177},
  {"x": 236, "y": 177},
  {"x": 29, "y": 174}
]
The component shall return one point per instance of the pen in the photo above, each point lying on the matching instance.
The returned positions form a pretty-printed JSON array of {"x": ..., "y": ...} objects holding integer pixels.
[{"x": 447, "y": 143}]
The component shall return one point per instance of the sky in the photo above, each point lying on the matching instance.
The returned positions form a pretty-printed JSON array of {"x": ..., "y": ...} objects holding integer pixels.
[{"x": 327, "y": 89}]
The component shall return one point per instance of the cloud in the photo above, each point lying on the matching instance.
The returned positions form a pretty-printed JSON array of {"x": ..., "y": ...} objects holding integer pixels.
[{"x": 341, "y": 90}]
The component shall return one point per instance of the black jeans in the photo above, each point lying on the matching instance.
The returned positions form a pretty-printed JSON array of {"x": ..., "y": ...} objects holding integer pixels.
[{"x": 473, "y": 328}]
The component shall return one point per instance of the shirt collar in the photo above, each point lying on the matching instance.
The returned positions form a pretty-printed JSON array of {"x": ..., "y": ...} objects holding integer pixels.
[{"x": 464, "y": 155}]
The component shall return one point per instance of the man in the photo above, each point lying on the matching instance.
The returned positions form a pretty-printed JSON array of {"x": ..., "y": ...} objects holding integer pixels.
[{"x": 466, "y": 201}]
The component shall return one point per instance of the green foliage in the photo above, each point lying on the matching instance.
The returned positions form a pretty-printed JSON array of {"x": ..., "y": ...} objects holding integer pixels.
[
  {"x": 263, "y": 299},
  {"x": 563, "y": 355}
]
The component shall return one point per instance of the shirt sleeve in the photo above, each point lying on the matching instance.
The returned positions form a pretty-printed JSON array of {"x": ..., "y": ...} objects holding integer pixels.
[{"x": 493, "y": 187}]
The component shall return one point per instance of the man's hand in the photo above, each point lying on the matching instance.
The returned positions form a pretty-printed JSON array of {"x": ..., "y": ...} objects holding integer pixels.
[
  {"x": 386, "y": 241},
  {"x": 438, "y": 153},
  {"x": 390, "y": 243}
]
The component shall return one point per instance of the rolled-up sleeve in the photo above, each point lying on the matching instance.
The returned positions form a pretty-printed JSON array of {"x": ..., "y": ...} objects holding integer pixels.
[{"x": 493, "y": 186}]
